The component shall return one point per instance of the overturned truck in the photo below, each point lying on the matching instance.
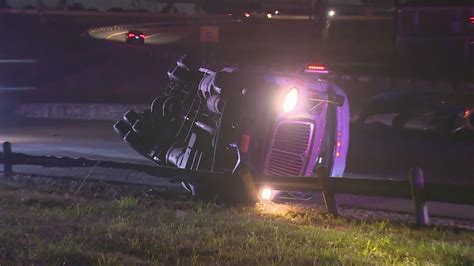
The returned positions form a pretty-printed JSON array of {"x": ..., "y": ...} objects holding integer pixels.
[{"x": 241, "y": 124}]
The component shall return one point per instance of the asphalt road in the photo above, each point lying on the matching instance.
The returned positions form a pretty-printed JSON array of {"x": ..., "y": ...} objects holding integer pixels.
[
  {"x": 156, "y": 34},
  {"x": 75, "y": 138}
]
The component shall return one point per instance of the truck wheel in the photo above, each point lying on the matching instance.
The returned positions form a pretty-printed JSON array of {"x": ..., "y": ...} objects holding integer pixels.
[
  {"x": 131, "y": 117},
  {"x": 122, "y": 128}
]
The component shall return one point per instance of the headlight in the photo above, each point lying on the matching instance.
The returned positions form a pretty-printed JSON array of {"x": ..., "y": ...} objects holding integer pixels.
[
  {"x": 266, "y": 193},
  {"x": 290, "y": 100}
]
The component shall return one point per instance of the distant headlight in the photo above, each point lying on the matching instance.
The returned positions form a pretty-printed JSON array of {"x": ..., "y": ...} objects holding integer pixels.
[{"x": 290, "y": 101}]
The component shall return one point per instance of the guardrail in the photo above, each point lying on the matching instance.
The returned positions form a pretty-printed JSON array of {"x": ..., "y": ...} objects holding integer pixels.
[
  {"x": 9, "y": 158},
  {"x": 414, "y": 188}
]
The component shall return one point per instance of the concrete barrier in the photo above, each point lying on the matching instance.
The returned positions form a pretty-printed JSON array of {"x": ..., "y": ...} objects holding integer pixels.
[{"x": 76, "y": 110}]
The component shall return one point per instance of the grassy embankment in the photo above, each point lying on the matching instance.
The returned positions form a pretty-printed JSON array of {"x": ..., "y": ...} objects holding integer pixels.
[{"x": 98, "y": 225}]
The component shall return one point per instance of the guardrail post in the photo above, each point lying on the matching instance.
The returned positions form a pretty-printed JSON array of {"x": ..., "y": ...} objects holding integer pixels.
[
  {"x": 417, "y": 182},
  {"x": 7, "y": 163},
  {"x": 328, "y": 195}
]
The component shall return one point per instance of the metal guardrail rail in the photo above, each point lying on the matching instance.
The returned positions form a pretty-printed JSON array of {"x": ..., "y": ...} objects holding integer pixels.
[
  {"x": 9, "y": 158},
  {"x": 396, "y": 188},
  {"x": 413, "y": 188}
]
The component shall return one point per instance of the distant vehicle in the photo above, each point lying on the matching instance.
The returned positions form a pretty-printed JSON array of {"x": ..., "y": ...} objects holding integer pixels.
[
  {"x": 135, "y": 37},
  {"x": 443, "y": 112}
]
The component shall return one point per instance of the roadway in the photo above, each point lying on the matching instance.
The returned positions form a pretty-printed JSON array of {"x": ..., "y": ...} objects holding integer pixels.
[
  {"x": 240, "y": 41},
  {"x": 73, "y": 138},
  {"x": 156, "y": 33},
  {"x": 164, "y": 32}
]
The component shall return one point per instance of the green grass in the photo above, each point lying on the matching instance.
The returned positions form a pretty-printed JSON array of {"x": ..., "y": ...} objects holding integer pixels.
[{"x": 40, "y": 226}]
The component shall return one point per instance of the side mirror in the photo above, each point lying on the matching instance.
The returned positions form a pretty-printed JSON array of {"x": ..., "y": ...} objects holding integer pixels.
[{"x": 338, "y": 100}]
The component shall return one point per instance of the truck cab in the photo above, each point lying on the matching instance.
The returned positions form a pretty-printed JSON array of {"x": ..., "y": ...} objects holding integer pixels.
[{"x": 236, "y": 121}]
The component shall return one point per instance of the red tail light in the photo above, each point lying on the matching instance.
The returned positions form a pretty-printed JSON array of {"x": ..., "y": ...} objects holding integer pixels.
[
  {"x": 467, "y": 113},
  {"x": 142, "y": 36},
  {"x": 471, "y": 19},
  {"x": 131, "y": 35},
  {"x": 316, "y": 68}
]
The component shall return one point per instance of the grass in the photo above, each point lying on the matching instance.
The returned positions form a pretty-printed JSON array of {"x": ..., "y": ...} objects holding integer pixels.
[{"x": 54, "y": 226}]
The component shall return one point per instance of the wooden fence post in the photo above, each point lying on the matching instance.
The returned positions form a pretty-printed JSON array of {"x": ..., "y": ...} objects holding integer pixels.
[
  {"x": 417, "y": 182},
  {"x": 328, "y": 195},
  {"x": 7, "y": 163}
]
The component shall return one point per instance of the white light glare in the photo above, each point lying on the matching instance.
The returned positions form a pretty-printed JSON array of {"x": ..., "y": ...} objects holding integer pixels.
[
  {"x": 331, "y": 13},
  {"x": 277, "y": 12},
  {"x": 269, "y": 15},
  {"x": 290, "y": 101},
  {"x": 266, "y": 194}
]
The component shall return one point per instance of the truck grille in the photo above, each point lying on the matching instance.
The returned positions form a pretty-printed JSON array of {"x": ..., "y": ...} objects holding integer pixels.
[{"x": 289, "y": 149}]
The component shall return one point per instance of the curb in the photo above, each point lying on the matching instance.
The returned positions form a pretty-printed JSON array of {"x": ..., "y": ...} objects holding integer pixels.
[{"x": 77, "y": 111}]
